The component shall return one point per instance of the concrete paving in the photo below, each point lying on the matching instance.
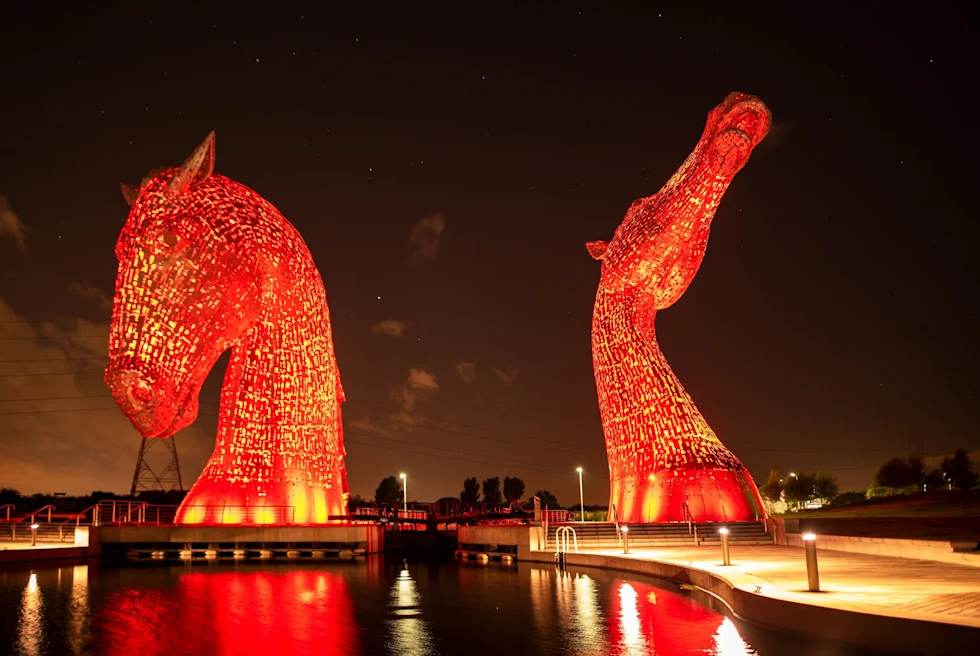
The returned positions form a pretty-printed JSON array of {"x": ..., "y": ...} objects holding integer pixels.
[
  {"x": 896, "y": 586},
  {"x": 25, "y": 545}
]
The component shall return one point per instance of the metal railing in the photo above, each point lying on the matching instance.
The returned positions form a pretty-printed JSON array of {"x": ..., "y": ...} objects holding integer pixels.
[
  {"x": 615, "y": 519},
  {"x": 8, "y": 507},
  {"x": 692, "y": 525},
  {"x": 561, "y": 539},
  {"x": 113, "y": 511}
]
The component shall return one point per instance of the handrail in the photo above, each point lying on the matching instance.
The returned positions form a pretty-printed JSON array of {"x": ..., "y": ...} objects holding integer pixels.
[
  {"x": 77, "y": 518},
  {"x": 561, "y": 539},
  {"x": 692, "y": 525},
  {"x": 48, "y": 507},
  {"x": 108, "y": 509},
  {"x": 615, "y": 514},
  {"x": 8, "y": 507}
]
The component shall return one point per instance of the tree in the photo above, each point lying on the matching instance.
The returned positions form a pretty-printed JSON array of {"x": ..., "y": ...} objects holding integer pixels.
[
  {"x": 513, "y": 489},
  {"x": 548, "y": 500},
  {"x": 825, "y": 487},
  {"x": 772, "y": 490},
  {"x": 9, "y": 495},
  {"x": 389, "y": 492},
  {"x": 356, "y": 501},
  {"x": 900, "y": 473},
  {"x": 933, "y": 481},
  {"x": 470, "y": 495},
  {"x": 799, "y": 488},
  {"x": 491, "y": 492},
  {"x": 958, "y": 470}
]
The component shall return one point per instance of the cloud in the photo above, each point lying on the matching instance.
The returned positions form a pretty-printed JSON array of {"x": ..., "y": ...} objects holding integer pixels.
[
  {"x": 506, "y": 377},
  {"x": 420, "y": 379},
  {"x": 425, "y": 238},
  {"x": 366, "y": 425},
  {"x": 391, "y": 328},
  {"x": 12, "y": 226},
  {"x": 62, "y": 432},
  {"x": 406, "y": 396},
  {"x": 85, "y": 290},
  {"x": 466, "y": 371}
]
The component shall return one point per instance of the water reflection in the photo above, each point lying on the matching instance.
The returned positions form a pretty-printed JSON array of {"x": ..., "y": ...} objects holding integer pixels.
[
  {"x": 631, "y": 641},
  {"x": 368, "y": 607},
  {"x": 78, "y": 610},
  {"x": 407, "y": 630},
  {"x": 30, "y": 630},
  {"x": 230, "y": 612}
]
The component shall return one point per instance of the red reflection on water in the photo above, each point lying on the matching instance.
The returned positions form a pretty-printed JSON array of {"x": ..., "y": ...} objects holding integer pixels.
[
  {"x": 651, "y": 620},
  {"x": 298, "y": 611}
]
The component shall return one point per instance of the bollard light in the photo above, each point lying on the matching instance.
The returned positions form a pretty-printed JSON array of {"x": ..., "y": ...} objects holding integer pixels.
[
  {"x": 725, "y": 558},
  {"x": 810, "y": 549},
  {"x": 581, "y": 494},
  {"x": 34, "y": 528},
  {"x": 626, "y": 539}
]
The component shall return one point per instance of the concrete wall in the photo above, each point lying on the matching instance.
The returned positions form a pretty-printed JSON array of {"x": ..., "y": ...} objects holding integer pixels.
[
  {"x": 788, "y": 532},
  {"x": 370, "y": 534},
  {"x": 525, "y": 538}
]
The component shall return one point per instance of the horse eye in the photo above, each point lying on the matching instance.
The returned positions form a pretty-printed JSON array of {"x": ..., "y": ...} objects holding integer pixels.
[{"x": 169, "y": 238}]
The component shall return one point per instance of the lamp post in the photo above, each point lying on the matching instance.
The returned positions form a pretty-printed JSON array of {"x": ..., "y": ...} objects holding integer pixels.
[
  {"x": 405, "y": 492},
  {"x": 34, "y": 535},
  {"x": 626, "y": 539},
  {"x": 810, "y": 549},
  {"x": 581, "y": 494},
  {"x": 725, "y": 558}
]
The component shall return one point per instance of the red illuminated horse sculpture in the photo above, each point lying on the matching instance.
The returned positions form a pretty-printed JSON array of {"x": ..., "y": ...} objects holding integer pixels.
[
  {"x": 206, "y": 264},
  {"x": 664, "y": 459}
]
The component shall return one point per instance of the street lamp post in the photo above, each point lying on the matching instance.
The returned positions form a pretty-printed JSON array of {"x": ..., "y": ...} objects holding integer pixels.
[
  {"x": 405, "y": 492},
  {"x": 581, "y": 494},
  {"x": 34, "y": 528}
]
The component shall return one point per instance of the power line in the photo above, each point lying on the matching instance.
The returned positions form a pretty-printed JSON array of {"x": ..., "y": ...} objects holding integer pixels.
[
  {"x": 362, "y": 383},
  {"x": 57, "y": 398},
  {"x": 436, "y": 455},
  {"x": 54, "y": 373},
  {"x": 52, "y": 337},
  {"x": 62, "y": 359},
  {"x": 457, "y": 423}
]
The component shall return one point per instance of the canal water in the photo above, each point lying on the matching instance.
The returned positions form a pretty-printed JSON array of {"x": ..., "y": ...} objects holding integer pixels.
[{"x": 377, "y": 605}]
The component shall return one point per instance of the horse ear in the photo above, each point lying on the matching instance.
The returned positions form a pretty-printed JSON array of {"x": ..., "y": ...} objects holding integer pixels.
[
  {"x": 597, "y": 249},
  {"x": 130, "y": 193},
  {"x": 197, "y": 168}
]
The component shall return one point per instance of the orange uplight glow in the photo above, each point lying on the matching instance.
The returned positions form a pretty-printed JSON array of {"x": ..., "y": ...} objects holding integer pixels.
[
  {"x": 662, "y": 453},
  {"x": 207, "y": 265}
]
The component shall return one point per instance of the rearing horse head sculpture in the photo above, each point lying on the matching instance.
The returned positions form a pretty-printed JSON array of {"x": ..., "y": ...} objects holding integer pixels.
[
  {"x": 206, "y": 264},
  {"x": 665, "y": 461}
]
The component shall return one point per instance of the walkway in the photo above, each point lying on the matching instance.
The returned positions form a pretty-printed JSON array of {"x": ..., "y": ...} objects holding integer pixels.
[{"x": 883, "y": 585}]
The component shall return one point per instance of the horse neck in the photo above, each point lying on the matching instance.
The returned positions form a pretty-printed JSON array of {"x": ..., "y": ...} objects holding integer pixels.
[
  {"x": 629, "y": 365},
  {"x": 283, "y": 373}
]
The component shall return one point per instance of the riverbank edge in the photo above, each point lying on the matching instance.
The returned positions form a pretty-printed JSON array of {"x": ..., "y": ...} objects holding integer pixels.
[{"x": 758, "y": 602}]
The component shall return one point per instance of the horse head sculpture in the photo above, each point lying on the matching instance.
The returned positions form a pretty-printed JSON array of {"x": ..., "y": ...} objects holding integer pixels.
[
  {"x": 207, "y": 265},
  {"x": 665, "y": 462}
]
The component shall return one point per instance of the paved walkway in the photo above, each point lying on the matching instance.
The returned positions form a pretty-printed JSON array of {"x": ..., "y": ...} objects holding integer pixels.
[
  {"x": 895, "y": 585},
  {"x": 24, "y": 544}
]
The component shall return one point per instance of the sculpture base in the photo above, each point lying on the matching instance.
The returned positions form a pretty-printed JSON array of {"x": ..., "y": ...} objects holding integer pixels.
[{"x": 708, "y": 495}]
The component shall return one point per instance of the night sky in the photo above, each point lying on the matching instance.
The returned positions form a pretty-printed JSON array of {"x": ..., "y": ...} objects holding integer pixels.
[{"x": 446, "y": 166}]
